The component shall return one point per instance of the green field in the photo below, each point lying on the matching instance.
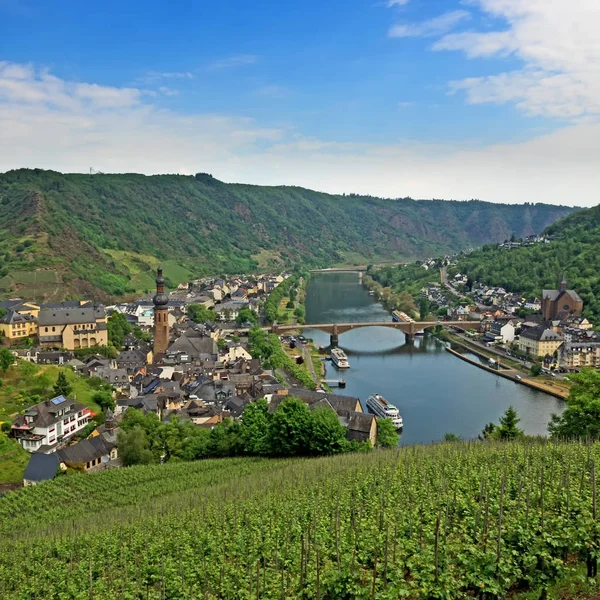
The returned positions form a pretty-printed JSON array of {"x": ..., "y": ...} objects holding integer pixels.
[
  {"x": 449, "y": 521},
  {"x": 25, "y": 383},
  {"x": 13, "y": 460}
]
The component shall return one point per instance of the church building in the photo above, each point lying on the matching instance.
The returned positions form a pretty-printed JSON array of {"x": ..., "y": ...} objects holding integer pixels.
[
  {"x": 161, "y": 315},
  {"x": 562, "y": 303}
]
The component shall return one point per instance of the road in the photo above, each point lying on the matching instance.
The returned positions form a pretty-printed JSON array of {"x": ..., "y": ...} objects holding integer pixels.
[
  {"x": 500, "y": 352},
  {"x": 309, "y": 363},
  {"x": 447, "y": 284}
]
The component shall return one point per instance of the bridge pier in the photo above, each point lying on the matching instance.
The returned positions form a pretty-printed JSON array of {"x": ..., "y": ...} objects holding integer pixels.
[
  {"x": 334, "y": 337},
  {"x": 410, "y": 338}
]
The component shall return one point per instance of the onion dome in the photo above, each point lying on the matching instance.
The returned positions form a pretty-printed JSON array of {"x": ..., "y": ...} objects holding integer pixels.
[{"x": 160, "y": 299}]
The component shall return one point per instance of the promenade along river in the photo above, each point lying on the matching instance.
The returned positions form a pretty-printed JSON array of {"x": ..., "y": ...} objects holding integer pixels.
[{"x": 436, "y": 392}]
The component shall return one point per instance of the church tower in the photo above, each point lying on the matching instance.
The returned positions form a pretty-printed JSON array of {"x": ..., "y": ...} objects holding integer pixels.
[{"x": 161, "y": 315}]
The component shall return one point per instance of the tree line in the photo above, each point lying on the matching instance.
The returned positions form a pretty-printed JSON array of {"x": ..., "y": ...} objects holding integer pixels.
[{"x": 291, "y": 430}]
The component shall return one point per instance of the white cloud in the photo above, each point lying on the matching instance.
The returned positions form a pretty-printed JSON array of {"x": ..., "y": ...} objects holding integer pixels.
[
  {"x": 391, "y": 3},
  {"x": 558, "y": 44},
  {"x": 431, "y": 27},
  {"x": 48, "y": 122}
]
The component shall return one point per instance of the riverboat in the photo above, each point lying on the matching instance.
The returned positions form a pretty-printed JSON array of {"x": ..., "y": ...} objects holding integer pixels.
[
  {"x": 339, "y": 358},
  {"x": 382, "y": 408},
  {"x": 401, "y": 317}
]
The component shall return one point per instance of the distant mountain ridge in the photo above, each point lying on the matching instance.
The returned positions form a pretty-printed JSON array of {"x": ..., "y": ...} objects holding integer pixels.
[{"x": 103, "y": 234}]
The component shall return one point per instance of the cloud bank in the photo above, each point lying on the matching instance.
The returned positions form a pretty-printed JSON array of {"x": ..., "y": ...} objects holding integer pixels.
[{"x": 49, "y": 122}]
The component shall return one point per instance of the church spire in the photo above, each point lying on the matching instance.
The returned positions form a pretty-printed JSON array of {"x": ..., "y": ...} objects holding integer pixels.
[
  {"x": 563, "y": 283},
  {"x": 161, "y": 315}
]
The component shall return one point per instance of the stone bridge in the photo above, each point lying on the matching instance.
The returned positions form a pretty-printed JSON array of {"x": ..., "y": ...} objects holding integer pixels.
[{"x": 409, "y": 329}]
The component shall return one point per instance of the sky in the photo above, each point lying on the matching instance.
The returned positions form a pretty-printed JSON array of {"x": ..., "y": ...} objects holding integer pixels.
[{"x": 491, "y": 99}]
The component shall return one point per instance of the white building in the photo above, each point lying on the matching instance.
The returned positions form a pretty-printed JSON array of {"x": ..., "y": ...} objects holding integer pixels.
[{"x": 49, "y": 423}]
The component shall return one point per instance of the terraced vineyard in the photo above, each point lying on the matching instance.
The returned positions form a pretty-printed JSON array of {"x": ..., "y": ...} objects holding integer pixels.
[{"x": 448, "y": 521}]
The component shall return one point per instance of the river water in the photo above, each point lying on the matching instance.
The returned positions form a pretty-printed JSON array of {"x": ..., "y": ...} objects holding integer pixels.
[{"x": 436, "y": 392}]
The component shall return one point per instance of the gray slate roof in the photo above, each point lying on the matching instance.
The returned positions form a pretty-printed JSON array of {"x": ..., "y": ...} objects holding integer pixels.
[
  {"x": 69, "y": 316},
  {"x": 44, "y": 413},
  {"x": 86, "y": 450},
  {"x": 41, "y": 467},
  {"x": 12, "y": 317},
  {"x": 541, "y": 334},
  {"x": 556, "y": 294}
]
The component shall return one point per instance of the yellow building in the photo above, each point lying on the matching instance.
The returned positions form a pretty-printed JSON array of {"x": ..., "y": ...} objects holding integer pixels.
[
  {"x": 14, "y": 326},
  {"x": 539, "y": 341},
  {"x": 72, "y": 325}
]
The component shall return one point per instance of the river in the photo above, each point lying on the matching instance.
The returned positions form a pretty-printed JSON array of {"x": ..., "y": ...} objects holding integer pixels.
[{"x": 436, "y": 392}]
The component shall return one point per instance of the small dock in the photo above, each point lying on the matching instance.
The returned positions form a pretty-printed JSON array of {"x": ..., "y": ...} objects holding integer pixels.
[{"x": 341, "y": 383}]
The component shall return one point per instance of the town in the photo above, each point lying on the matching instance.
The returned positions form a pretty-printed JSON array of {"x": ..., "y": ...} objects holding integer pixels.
[{"x": 182, "y": 356}]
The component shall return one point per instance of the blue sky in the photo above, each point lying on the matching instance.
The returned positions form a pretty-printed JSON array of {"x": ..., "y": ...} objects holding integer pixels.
[{"x": 432, "y": 98}]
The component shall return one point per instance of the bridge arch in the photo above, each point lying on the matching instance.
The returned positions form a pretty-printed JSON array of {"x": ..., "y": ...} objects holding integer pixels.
[{"x": 409, "y": 329}]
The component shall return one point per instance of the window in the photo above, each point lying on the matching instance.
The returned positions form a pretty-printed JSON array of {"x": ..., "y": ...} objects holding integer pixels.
[
  {"x": 46, "y": 329},
  {"x": 54, "y": 329}
]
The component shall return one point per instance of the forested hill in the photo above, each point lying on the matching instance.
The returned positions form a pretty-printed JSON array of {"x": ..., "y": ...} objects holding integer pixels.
[
  {"x": 574, "y": 250},
  {"x": 104, "y": 234}
]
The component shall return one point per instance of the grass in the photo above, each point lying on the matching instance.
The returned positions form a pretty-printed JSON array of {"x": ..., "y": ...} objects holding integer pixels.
[
  {"x": 21, "y": 383},
  {"x": 35, "y": 277},
  {"x": 268, "y": 259},
  {"x": 141, "y": 268},
  {"x": 13, "y": 460}
]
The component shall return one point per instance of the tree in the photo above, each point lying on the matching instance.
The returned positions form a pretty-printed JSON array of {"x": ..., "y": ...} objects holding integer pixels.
[
  {"x": 387, "y": 435},
  {"x": 452, "y": 437},
  {"x": 536, "y": 370},
  {"x": 487, "y": 432},
  {"x": 104, "y": 400},
  {"x": 6, "y": 359},
  {"x": 290, "y": 304},
  {"x": 327, "y": 434},
  {"x": 134, "y": 448},
  {"x": 290, "y": 428},
  {"x": 246, "y": 315},
  {"x": 423, "y": 308},
  {"x": 62, "y": 387},
  {"x": 200, "y": 314},
  {"x": 508, "y": 430},
  {"x": 581, "y": 418},
  {"x": 254, "y": 431},
  {"x": 118, "y": 327}
]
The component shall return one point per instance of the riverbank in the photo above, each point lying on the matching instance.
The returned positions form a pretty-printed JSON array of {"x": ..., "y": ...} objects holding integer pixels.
[
  {"x": 510, "y": 374},
  {"x": 558, "y": 389}
]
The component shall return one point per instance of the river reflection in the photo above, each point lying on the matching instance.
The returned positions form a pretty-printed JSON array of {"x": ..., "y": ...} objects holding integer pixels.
[{"x": 436, "y": 392}]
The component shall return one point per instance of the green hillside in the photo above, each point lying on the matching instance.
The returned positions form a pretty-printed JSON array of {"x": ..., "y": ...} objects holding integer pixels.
[
  {"x": 104, "y": 234},
  {"x": 452, "y": 521},
  {"x": 575, "y": 250}
]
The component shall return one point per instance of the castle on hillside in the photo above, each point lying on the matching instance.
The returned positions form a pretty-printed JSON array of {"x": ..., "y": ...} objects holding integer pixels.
[{"x": 561, "y": 303}]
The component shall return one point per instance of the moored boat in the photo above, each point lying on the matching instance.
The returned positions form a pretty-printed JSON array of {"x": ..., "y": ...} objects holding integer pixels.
[
  {"x": 339, "y": 358},
  {"x": 382, "y": 408}
]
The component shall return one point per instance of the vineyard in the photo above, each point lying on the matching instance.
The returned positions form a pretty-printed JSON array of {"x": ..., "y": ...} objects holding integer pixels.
[{"x": 449, "y": 521}]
